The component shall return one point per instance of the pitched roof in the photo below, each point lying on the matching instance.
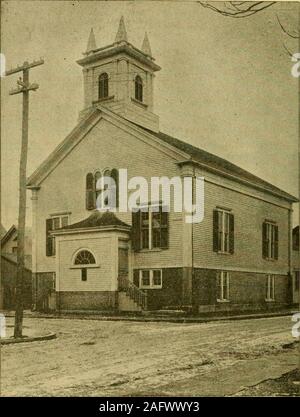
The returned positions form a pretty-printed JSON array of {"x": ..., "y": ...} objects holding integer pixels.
[
  {"x": 8, "y": 234},
  {"x": 222, "y": 165},
  {"x": 208, "y": 160},
  {"x": 97, "y": 219}
]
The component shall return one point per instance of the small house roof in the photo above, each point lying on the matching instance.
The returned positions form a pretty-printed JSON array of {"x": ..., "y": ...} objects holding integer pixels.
[{"x": 97, "y": 219}]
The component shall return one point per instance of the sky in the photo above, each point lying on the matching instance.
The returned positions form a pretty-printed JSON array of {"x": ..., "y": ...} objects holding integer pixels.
[{"x": 225, "y": 84}]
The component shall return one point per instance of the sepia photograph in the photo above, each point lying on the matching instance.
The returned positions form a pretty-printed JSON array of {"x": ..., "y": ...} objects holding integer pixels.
[{"x": 149, "y": 202}]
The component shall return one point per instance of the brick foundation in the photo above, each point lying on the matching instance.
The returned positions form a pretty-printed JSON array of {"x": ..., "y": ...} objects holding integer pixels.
[
  {"x": 247, "y": 292},
  {"x": 86, "y": 300}
]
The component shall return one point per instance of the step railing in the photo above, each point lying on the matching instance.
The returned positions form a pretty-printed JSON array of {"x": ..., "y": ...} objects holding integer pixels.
[{"x": 135, "y": 293}]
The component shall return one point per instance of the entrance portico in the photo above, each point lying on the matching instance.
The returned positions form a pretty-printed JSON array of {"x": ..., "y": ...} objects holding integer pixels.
[{"x": 87, "y": 262}]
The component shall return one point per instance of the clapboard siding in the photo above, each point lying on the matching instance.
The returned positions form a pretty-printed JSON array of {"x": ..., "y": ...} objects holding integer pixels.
[
  {"x": 104, "y": 146},
  {"x": 249, "y": 214}
]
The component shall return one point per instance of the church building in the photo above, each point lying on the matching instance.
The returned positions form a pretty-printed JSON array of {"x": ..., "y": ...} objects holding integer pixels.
[{"x": 238, "y": 258}]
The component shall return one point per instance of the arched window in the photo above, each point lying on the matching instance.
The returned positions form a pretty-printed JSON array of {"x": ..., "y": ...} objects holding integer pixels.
[
  {"x": 84, "y": 257},
  {"x": 96, "y": 186},
  {"x": 103, "y": 86},
  {"x": 115, "y": 177},
  {"x": 90, "y": 192},
  {"x": 138, "y": 88}
]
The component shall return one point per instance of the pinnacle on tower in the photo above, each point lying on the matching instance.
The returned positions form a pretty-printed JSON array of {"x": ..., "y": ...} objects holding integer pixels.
[
  {"x": 146, "y": 45},
  {"x": 121, "y": 34},
  {"x": 91, "y": 45}
]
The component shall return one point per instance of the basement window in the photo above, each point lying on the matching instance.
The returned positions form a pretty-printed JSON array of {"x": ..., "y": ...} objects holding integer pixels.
[
  {"x": 270, "y": 288},
  {"x": 223, "y": 279},
  {"x": 150, "y": 279}
]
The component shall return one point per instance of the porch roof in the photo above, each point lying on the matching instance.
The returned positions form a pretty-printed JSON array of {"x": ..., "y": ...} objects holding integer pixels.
[{"x": 97, "y": 220}]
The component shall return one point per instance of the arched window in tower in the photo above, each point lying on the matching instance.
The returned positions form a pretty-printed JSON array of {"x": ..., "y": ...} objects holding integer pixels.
[
  {"x": 103, "y": 85},
  {"x": 138, "y": 88}
]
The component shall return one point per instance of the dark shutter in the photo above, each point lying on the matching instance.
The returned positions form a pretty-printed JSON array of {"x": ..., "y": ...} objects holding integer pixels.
[
  {"x": 276, "y": 242},
  {"x": 136, "y": 230},
  {"x": 136, "y": 277},
  {"x": 231, "y": 233},
  {"x": 90, "y": 194},
  {"x": 264, "y": 240},
  {"x": 164, "y": 229},
  {"x": 49, "y": 241},
  {"x": 115, "y": 177},
  {"x": 215, "y": 230}
]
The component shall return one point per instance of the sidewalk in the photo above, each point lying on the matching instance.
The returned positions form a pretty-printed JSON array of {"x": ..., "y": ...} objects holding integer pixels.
[
  {"x": 231, "y": 380},
  {"x": 148, "y": 317}
]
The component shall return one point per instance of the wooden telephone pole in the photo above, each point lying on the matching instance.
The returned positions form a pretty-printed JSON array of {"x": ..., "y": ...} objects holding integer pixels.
[{"x": 23, "y": 87}]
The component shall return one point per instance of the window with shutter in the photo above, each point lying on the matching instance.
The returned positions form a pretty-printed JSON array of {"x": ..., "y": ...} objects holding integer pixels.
[
  {"x": 90, "y": 192},
  {"x": 269, "y": 240},
  {"x": 150, "y": 228},
  {"x": 54, "y": 223},
  {"x": 115, "y": 177},
  {"x": 223, "y": 231},
  {"x": 276, "y": 242},
  {"x": 216, "y": 231},
  {"x": 49, "y": 239},
  {"x": 136, "y": 230},
  {"x": 231, "y": 233}
]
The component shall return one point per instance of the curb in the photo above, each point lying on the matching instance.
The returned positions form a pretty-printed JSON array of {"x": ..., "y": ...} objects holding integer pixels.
[
  {"x": 10, "y": 341},
  {"x": 155, "y": 319}
]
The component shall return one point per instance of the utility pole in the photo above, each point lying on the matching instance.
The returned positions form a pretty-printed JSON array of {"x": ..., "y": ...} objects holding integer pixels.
[{"x": 23, "y": 87}]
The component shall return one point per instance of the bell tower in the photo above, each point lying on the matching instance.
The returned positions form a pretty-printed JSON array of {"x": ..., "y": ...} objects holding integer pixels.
[{"x": 120, "y": 77}]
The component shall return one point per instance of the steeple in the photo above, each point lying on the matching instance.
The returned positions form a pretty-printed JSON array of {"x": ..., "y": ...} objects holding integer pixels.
[
  {"x": 91, "y": 45},
  {"x": 120, "y": 77},
  {"x": 146, "y": 46},
  {"x": 121, "y": 34}
]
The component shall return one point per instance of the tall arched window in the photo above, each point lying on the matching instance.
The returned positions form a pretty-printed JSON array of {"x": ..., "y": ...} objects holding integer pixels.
[
  {"x": 138, "y": 88},
  {"x": 84, "y": 257},
  {"x": 95, "y": 187},
  {"x": 103, "y": 85}
]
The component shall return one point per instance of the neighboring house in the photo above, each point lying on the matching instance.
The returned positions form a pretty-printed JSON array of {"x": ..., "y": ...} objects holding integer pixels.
[
  {"x": 296, "y": 266},
  {"x": 9, "y": 243},
  {"x": 8, "y": 283},
  {"x": 237, "y": 258}
]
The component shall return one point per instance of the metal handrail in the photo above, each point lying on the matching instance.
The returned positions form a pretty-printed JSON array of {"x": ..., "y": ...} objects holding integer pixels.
[{"x": 135, "y": 293}]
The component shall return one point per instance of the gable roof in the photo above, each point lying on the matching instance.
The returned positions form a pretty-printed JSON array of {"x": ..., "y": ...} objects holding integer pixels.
[
  {"x": 187, "y": 151},
  {"x": 222, "y": 165},
  {"x": 8, "y": 234}
]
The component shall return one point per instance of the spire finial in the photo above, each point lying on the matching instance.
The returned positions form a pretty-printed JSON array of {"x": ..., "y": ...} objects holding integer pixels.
[
  {"x": 121, "y": 34},
  {"x": 146, "y": 45},
  {"x": 91, "y": 45}
]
